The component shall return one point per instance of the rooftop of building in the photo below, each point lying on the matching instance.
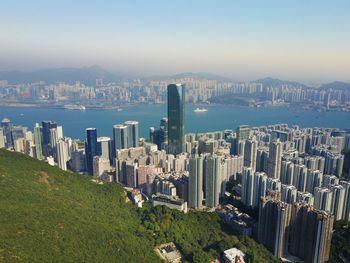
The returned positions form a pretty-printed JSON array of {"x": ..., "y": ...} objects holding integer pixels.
[
  {"x": 169, "y": 252},
  {"x": 168, "y": 199},
  {"x": 103, "y": 139},
  {"x": 4, "y": 120},
  {"x": 131, "y": 122},
  {"x": 234, "y": 255}
]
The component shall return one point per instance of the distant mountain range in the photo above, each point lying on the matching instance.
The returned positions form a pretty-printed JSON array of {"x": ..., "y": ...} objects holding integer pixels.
[
  {"x": 336, "y": 85},
  {"x": 199, "y": 75},
  {"x": 88, "y": 76},
  {"x": 277, "y": 82}
]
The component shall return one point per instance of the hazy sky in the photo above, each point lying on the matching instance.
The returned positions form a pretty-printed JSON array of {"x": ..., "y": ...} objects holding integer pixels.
[{"x": 307, "y": 40}]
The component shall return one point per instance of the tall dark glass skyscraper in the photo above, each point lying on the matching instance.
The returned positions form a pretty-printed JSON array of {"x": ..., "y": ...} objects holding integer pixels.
[
  {"x": 46, "y": 126},
  {"x": 91, "y": 148},
  {"x": 160, "y": 136},
  {"x": 46, "y": 136},
  {"x": 176, "y": 118}
]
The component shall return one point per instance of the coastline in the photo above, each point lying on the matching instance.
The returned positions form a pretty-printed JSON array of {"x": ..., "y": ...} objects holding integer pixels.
[
  {"x": 217, "y": 118},
  {"x": 297, "y": 107}
]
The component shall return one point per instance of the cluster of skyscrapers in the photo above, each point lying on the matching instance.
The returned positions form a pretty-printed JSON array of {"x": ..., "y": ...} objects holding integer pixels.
[
  {"x": 300, "y": 187},
  {"x": 293, "y": 175},
  {"x": 296, "y": 230}
]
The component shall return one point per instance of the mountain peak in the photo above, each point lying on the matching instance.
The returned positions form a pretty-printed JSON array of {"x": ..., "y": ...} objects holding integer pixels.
[
  {"x": 195, "y": 75},
  {"x": 336, "y": 85},
  {"x": 269, "y": 81}
]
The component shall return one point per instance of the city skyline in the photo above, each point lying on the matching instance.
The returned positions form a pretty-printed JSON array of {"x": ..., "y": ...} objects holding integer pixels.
[
  {"x": 287, "y": 182},
  {"x": 175, "y": 131},
  {"x": 304, "y": 41}
]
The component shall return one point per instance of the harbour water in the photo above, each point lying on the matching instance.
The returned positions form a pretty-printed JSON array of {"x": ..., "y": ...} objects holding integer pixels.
[{"x": 217, "y": 117}]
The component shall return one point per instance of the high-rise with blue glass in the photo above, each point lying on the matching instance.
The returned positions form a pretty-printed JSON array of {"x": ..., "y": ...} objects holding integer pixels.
[
  {"x": 46, "y": 136},
  {"x": 91, "y": 148},
  {"x": 176, "y": 118},
  {"x": 46, "y": 127}
]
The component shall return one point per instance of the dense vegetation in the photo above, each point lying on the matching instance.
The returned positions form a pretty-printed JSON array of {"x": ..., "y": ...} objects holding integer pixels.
[
  {"x": 201, "y": 236},
  {"x": 340, "y": 249},
  {"x": 230, "y": 99},
  {"x": 48, "y": 215}
]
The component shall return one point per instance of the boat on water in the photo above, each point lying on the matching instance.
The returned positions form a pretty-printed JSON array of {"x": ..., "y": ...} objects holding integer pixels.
[
  {"x": 200, "y": 110},
  {"x": 74, "y": 107}
]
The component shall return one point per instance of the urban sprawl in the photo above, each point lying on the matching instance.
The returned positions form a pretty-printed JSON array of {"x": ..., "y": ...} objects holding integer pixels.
[
  {"x": 198, "y": 90},
  {"x": 284, "y": 186}
]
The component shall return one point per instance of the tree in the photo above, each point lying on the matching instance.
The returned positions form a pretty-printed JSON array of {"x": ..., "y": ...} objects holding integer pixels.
[{"x": 199, "y": 256}]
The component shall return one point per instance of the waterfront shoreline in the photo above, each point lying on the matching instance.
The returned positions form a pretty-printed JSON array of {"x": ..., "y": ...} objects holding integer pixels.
[
  {"x": 209, "y": 105},
  {"x": 216, "y": 118}
]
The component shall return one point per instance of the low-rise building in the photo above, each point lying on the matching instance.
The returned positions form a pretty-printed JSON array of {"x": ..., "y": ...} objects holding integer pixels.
[
  {"x": 169, "y": 253},
  {"x": 172, "y": 202},
  {"x": 136, "y": 197},
  {"x": 233, "y": 255}
]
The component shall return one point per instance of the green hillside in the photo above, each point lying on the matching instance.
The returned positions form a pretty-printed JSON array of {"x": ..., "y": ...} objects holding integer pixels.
[{"x": 48, "y": 215}]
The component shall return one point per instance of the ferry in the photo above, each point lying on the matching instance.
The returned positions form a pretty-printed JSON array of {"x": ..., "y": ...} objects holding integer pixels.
[
  {"x": 200, "y": 110},
  {"x": 74, "y": 107}
]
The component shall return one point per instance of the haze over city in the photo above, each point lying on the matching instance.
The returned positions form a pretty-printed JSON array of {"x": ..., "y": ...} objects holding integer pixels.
[
  {"x": 175, "y": 131},
  {"x": 306, "y": 41}
]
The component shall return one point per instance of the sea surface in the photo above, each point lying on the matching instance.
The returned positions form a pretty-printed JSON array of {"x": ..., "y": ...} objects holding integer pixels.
[{"x": 218, "y": 117}]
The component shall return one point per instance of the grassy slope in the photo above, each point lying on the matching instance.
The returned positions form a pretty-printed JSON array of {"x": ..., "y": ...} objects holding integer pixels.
[{"x": 48, "y": 215}]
